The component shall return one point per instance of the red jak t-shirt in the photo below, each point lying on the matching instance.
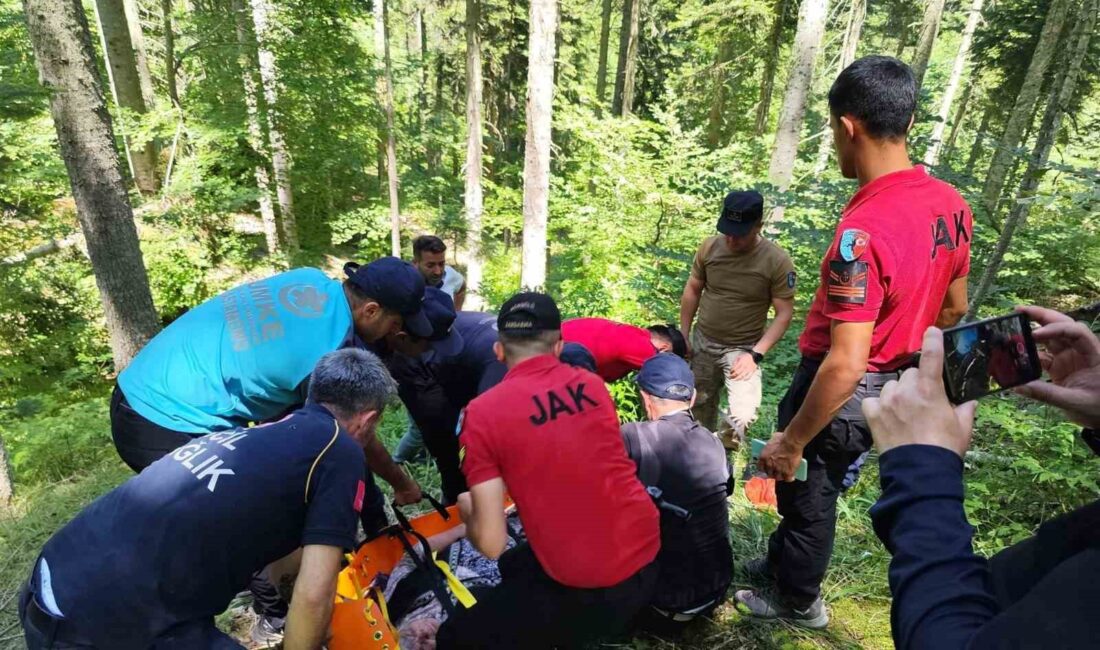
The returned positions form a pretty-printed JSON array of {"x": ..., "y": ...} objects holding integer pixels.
[
  {"x": 550, "y": 432},
  {"x": 618, "y": 348},
  {"x": 902, "y": 239}
]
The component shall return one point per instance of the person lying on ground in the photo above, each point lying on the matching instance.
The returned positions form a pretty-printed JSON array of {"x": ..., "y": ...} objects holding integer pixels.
[
  {"x": 151, "y": 563},
  {"x": 619, "y": 348},
  {"x": 412, "y": 602},
  {"x": 549, "y": 432},
  {"x": 1041, "y": 592},
  {"x": 688, "y": 464}
]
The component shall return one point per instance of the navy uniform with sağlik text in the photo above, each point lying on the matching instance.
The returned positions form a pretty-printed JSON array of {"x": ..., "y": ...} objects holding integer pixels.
[{"x": 152, "y": 562}]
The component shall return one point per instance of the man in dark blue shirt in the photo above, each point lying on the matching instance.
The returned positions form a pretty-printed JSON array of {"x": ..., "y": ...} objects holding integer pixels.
[
  {"x": 1041, "y": 592},
  {"x": 436, "y": 385},
  {"x": 152, "y": 562}
]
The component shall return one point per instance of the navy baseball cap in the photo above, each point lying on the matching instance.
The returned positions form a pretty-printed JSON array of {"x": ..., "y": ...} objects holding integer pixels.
[
  {"x": 397, "y": 286},
  {"x": 439, "y": 308},
  {"x": 578, "y": 356},
  {"x": 741, "y": 211},
  {"x": 528, "y": 312},
  {"x": 667, "y": 376}
]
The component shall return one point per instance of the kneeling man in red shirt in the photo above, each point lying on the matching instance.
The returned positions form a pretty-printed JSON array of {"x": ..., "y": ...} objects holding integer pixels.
[{"x": 548, "y": 435}]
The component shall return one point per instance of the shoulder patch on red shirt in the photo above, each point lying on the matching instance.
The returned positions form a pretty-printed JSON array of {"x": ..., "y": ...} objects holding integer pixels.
[
  {"x": 852, "y": 243},
  {"x": 847, "y": 282}
]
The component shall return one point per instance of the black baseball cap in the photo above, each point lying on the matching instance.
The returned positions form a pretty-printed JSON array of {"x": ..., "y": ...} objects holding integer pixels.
[
  {"x": 667, "y": 376},
  {"x": 578, "y": 356},
  {"x": 741, "y": 211},
  {"x": 397, "y": 286},
  {"x": 439, "y": 308},
  {"x": 528, "y": 312}
]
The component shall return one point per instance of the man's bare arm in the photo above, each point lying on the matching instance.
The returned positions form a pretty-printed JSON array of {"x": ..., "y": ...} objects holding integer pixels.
[
  {"x": 460, "y": 297},
  {"x": 405, "y": 489},
  {"x": 689, "y": 304},
  {"x": 482, "y": 509},
  {"x": 307, "y": 623},
  {"x": 954, "y": 304},
  {"x": 834, "y": 384},
  {"x": 784, "y": 313}
]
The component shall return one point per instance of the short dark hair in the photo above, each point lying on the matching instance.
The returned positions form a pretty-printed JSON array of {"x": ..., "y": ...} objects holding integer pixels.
[
  {"x": 429, "y": 243},
  {"x": 528, "y": 342},
  {"x": 880, "y": 92},
  {"x": 673, "y": 335}
]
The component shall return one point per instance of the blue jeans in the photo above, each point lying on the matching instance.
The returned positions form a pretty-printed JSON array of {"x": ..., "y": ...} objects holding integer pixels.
[{"x": 411, "y": 444}]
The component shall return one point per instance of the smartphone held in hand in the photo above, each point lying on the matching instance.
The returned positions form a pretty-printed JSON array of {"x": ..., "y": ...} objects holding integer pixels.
[{"x": 989, "y": 356}]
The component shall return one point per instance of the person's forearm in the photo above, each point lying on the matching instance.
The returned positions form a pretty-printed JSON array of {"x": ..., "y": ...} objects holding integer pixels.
[
  {"x": 833, "y": 385},
  {"x": 381, "y": 463},
  {"x": 940, "y": 588},
  {"x": 307, "y": 623},
  {"x": 775, "y": 332},
  {"x": 689, "y": 305},
  {"x": 949, "y": 317}
]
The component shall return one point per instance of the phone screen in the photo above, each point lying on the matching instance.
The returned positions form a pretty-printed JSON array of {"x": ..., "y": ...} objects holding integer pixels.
[{"x": 989, "y": 356}]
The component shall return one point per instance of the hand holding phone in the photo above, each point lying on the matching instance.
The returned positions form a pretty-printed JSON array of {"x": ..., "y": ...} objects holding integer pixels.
[
  {"x": 989, "y": 356},
  {"x": 758, "y": 446}
]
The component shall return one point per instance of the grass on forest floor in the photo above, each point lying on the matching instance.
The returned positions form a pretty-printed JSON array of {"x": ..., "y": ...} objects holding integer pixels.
[{"x": 855, "y": 588}]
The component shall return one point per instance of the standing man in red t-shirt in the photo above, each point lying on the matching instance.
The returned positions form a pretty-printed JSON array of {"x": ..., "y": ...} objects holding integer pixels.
[
  {"x": 897, "y": 265},
  {"x": 620, "y": 349},
  {"x": 548, "y": 434}
]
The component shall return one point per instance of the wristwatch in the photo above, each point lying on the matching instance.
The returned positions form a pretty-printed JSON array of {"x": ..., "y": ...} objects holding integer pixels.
[{"x": 756, "y": 356}]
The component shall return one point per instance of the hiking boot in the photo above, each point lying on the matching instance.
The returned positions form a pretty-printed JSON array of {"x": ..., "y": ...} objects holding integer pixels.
[
  {"x": 768, "y": 606},
  {"x": 758, "y": 571},
  {"x": 268, "y": 631}
]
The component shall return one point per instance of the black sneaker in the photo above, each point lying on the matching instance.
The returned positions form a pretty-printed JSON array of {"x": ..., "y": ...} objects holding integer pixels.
[{"x": 268, "y": 631}]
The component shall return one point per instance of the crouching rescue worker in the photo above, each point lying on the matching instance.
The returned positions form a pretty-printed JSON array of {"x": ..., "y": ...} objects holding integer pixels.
[
  {"x": 549, "y": 433},
  {"x": 687, "y": 464},
  {"x": 150, "y": 564},
  {"x": 619, "y": 348}
]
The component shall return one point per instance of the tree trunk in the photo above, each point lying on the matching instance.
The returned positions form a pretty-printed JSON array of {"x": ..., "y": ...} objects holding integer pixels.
[
  {"x": 1060, "y": 96},
  {"x": 601, "y": 68},
  {"x": 169, "y": 52},
  {"x": 536, "y": 159},
  {"x": 473, "y": 152},
  {"x": 133, "y": 22},
  {"x": 125, "y": 82},
  {"x": 1022, "y": 111},
  {"x": 280, "y": 156},
  {"x": 961, "y": 112},
  {"x": 623, "y": 103},
  {"x": 931, "y": 157},
  {"x": 771, "y": 63},
  {"x": 718, "y": 107},
  {"x": 929, "y": 29},
  {"x": 807, "y": 40},
  {"x": 976, "y": 146},
  {"x": 382, "y": 48},
  {"x": 857, "y": 13},
  {"x": 63, "y": 51},
  {"x": 257, "y": 139},
  {"x": 6, "y": 489}
]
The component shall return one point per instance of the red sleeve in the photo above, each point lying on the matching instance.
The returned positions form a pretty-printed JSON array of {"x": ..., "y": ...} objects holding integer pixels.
[
  {"x": 635, "y": 347},
  {"x": 475, "y": 454},
  {"x": 854, "y": 276}
]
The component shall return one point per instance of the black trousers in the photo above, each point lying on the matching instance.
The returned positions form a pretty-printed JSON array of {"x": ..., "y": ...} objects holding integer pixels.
[
  {"x": 800, "y": 548},
  {"x": 531, "y": 610},
  {"x": 41, "y": 631}
]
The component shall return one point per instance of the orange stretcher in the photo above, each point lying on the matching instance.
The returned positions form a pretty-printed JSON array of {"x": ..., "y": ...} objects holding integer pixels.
[{"x": 359, "y": 617}]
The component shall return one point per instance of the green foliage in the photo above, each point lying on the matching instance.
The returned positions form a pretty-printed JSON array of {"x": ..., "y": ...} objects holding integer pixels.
[{"x": 55, "y": 437}]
